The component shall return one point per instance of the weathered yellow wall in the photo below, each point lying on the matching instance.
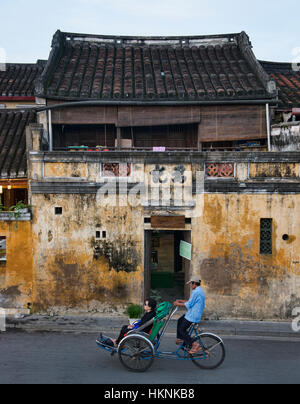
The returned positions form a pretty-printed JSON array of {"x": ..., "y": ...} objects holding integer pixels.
[
  {"x": 72, "y": 269},
  {"x": 58, "y": 170},
  {"x": 16, "y": 274},
  {"x": 275, "y": 170},
  {"x": 226, "y": 239}
]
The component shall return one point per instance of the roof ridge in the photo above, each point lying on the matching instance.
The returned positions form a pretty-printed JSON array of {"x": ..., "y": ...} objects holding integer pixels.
[
  {"x": 273, "y": 63},
  {"x": 73, "y": 35},
  {"x": 39, "y": 62}
]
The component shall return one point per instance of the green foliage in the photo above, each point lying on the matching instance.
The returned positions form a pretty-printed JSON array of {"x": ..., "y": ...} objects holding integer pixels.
[
  {"x": 16, "y": 211},
  {"x": 134, "y": 311}
]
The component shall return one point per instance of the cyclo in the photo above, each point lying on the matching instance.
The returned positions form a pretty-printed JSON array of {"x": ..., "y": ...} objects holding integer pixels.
[{"x": 137, "y": 350}]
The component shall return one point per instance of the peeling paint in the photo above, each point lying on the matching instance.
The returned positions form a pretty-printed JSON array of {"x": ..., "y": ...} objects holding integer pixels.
[
  {"x": 78, "y": 269},
  {"x": 238, "y": 280},
  {"x": 72, "y": 268},
  {"x": 9, "y": 296},
  {"x": 121, "y": 255}
]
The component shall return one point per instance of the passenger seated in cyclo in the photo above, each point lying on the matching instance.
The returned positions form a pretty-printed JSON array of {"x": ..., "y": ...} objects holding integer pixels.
[
  {"x": 149, "y": 307},
  {"x": 195, "y": 306}
]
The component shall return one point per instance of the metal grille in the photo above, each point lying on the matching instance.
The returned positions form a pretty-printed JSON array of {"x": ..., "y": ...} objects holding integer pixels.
[{"x": 266, "y": 235}]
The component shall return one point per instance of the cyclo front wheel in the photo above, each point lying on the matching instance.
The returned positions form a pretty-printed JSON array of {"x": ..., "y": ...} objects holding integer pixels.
[
  {"x": 136, "y": 353},
  {"x": 212, "y": 352}
]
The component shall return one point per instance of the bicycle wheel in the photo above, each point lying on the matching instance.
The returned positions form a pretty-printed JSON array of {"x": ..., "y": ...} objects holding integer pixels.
[
  {"x": 136, "y": 353},
  {"x": 212, "y": 352}
]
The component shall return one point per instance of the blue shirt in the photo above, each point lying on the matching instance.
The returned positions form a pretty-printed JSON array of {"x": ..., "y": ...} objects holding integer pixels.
[{"x": 195, "y": 306}]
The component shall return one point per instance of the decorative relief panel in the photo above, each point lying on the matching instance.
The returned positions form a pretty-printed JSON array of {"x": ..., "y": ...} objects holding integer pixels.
[{"x": 220, "y": 170}]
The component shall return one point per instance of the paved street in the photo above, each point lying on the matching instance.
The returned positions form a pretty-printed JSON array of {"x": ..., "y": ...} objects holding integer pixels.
[{"x": 75, "y": 358}]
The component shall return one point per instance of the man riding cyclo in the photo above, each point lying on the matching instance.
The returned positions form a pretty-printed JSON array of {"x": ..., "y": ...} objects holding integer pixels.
[{"x": 195, "y": 306}]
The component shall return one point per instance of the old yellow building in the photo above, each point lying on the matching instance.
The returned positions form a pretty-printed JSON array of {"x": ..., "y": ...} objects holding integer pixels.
[
  {"x": 142, "y": 144},
  {"x": 101, "y": 249}
]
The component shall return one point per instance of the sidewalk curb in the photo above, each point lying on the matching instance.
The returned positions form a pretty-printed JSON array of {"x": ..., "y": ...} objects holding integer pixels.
[{"x": 80, "y": 324}]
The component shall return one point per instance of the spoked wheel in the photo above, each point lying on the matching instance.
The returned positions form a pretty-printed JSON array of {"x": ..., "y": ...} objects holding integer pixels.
[
  {"x": 212, "y": 352},
  {"x": 136, "y": 353}
]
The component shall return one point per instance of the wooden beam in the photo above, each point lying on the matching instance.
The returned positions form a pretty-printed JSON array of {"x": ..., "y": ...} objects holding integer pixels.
[{"x": 15, "y": 183}]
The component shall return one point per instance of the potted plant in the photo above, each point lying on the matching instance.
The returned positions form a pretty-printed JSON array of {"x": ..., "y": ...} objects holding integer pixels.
[
  {"x": 18, "y": 210},
  {"x": 134, "y": 312}
]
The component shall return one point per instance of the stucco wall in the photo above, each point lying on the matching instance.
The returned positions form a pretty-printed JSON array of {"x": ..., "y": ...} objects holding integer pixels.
[
  {"x": 16, "y": 277},
  {"x": 239, "y": 281},
  {"x": 73, "y": 268}
]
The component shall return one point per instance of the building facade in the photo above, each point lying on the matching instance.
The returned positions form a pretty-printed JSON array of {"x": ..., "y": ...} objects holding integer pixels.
[
  {"x": 17, "y": 100},
  {"x": 143, "y": 144}
]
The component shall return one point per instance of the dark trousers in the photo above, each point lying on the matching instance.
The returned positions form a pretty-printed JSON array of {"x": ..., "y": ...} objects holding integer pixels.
[
  {"x": 182, "y": 326},
  {"x": 123, "y": 331}
]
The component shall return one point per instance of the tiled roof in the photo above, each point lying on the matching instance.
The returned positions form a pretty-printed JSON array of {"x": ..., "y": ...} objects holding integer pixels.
[
  {"x": 17, "y": 80},
  {"x": 13, "y": 162},
  {"x": 288, "y": 82},
  {"x": 210, "y": 68}
]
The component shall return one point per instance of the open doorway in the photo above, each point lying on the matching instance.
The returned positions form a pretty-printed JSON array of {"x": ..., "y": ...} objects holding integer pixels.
[{"x": 166, "y": 272}]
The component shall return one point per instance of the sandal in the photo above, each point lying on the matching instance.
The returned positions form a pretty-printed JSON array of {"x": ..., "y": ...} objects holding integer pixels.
[
  {"x": 114, "y": 341},
  {"x": 195, "y": 348}
]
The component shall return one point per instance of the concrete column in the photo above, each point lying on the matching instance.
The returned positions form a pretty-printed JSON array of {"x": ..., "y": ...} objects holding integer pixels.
[{"x": 34, "y": 133}]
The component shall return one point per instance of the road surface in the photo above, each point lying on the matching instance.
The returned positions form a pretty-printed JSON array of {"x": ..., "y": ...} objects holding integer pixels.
[{"x": 55, "y": 358}]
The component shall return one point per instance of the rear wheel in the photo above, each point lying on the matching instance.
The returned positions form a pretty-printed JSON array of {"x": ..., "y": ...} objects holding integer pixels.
[
  {"x": 136, "y": 353},
  {"x": 212, "y": 352}
]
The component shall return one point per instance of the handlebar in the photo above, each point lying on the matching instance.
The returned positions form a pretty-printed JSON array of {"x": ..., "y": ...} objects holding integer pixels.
[{"x": 173, "y": 310}]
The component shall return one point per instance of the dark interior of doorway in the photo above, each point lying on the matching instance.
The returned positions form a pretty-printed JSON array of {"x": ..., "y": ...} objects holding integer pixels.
[{"x": 167, "y": 267}]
